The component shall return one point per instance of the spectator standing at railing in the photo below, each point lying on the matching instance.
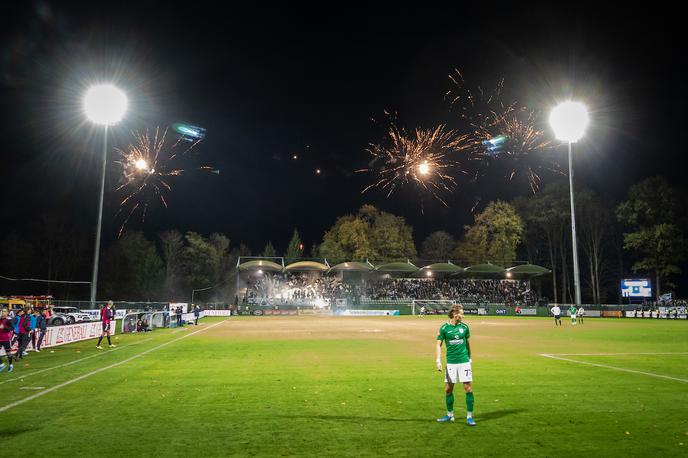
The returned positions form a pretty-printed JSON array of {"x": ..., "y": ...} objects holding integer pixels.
[
  {"x": 179, "y": 316},
  {"x": 41, "y": 328},
  {"x": 197, "y": 314},
  {"x": 6, "y": 331}
]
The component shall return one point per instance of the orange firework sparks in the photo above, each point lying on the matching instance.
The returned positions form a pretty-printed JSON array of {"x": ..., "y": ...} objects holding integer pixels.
[
  {"x": 428, "y": 158},
  {"x": 502, "y": 134},
  {"x": 147, "y": 165}
]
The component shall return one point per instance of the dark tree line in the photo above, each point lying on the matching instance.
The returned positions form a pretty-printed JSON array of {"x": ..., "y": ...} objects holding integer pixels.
[{"x": 643, "y": 235}]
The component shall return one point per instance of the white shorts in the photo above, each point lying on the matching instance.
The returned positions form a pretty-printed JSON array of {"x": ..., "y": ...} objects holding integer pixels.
[
  {"x": 458, "y": 372},
  {"x": 573, "y": 316}
]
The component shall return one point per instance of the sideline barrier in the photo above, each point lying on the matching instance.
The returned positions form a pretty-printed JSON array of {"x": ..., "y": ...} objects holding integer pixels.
[
  {"x": 61, "y": 335},
  {"x": 95, "y": 314},
  {"x": 216, "y": 313},
  {"x": 367, "y": 313}
]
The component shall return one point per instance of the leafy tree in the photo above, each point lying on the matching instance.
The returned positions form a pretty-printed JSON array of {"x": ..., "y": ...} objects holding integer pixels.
[
  {"x": 132, "y": 269},
  {"x": 269, "y": 250},
  {"x": 595, "y": 226},
  {"x": 206, "y": 261},
  {"x": 391, "y": 237},
  {"x": 369, "y": 234},
  {"x": 347, "y": 239},
  {"x": 438, "y": 245},
  {"x": 315, "y": 250},
  {"x": 546, "y": 217},
  {"x": 494, "y": 236},
  {"x": 295, "y": 246},
  {"x": 172, "y": 247},
  {"x": 651, "y": 216}
]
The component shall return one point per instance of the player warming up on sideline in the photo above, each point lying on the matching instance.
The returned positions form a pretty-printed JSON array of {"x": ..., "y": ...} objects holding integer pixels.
[
  {"x": 106, "y": 316},
  {"x": 6, "y": 330},
  {"x": 556, "y": 311},
  {"x": 455, "y": 334},
  {"x": 572, "y": 311}
]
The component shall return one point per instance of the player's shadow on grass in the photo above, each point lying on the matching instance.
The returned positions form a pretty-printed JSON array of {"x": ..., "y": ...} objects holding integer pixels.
[
  {"x": 495, "y": 414},
  {"x": 482, "y": 417},
  {"x": 350, "y": 418}
]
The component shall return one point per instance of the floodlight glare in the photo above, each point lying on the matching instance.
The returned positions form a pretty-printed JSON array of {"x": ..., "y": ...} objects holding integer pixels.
[
  {"x": 105, "y": 104},
  {"x": 569, "y": 120}
]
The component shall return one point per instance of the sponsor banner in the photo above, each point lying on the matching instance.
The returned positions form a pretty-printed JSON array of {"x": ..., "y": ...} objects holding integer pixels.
[
  {"x": 321, "y": 312},
  {"x": 612, "y": 313},
  {"x": 279, "y": 312},
  {"x": 644, "y": 314},
  {"x": 95, "y": 314},
  {"x": 501, "y": 311},
  {"x": 593, "y": 313},
  {"x": 61, "y": 335},
  {"x": 369, "y": 313},
  {"x": 216, "y": 313},
  {"x": 529, "y": 311},
  {"x": 482, "y": 311}
]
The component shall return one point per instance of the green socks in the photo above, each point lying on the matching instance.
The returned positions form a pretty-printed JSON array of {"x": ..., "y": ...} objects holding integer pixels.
[
  {"x": 450, "y": 402},
  {"x": 470, "y": 399}
]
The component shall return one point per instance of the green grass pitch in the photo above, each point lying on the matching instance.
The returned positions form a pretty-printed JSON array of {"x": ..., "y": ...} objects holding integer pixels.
[{"x": 307, "y": 386}]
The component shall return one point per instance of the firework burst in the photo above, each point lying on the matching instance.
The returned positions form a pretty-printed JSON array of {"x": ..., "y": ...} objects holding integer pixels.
[
  {"x": 147, "y": 165},
  {"x": 501, "y": 134},
  {"x": 428, "y": 158}
]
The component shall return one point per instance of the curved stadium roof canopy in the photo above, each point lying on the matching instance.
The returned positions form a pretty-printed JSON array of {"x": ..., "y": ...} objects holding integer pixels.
[{"x": 400, "y": 267}]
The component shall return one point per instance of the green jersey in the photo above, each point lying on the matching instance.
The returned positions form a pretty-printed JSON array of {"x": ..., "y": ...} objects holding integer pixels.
[
  {"x": 456, "y": 340},
  {"x": 572, "y": 310}
]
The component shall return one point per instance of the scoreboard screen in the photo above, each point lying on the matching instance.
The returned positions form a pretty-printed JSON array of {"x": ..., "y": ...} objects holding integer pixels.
[{"x": 636, "y": 287}]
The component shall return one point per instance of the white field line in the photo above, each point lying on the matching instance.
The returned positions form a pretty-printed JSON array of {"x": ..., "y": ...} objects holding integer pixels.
[
  {"x": 40, "y": 371},
  {"x": 622, "y": 369},
  {"x": 615, "y": 354},
  {"x": 102, "y": 369}
]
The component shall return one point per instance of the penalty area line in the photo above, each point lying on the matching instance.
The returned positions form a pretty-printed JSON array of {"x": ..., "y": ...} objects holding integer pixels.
[
  {"x": 605, "y": 366},
  {"x": 102, "y": 369}
]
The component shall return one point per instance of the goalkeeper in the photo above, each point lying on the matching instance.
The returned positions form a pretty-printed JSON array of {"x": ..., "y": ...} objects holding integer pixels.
[{"x": 455, "y": 334}]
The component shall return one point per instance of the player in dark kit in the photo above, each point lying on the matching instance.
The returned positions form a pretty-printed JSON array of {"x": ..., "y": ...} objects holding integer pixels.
[
  {"x": 106, "y": 316},
  {"x": 6, "y": 331}
]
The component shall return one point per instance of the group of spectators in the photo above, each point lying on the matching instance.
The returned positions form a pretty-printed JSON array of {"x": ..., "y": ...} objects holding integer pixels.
[
  {"x": 461, "y": 290},
  {"x": 24, "y": 327},
  {"x": 299, "y": 289},
  {"x": 323, "y": 291}
]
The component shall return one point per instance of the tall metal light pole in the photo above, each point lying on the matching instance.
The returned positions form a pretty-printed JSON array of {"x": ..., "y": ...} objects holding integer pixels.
[
  {"x": 105, "y": 105},
  {"x": 569, "y": 120}
]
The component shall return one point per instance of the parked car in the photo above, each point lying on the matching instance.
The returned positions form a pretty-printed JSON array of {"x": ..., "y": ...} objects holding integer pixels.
[
  {"x": 69, "y": 315},
  {"x": 58, "y": 319}
]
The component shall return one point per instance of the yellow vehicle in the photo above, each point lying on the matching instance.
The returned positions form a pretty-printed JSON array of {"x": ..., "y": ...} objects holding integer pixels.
[
  {"x": 17, "y": 302},
  {"x": 12, "y": 303}
]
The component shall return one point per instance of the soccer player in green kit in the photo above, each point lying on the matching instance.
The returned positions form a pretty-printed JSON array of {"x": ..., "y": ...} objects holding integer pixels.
[
  {"x": 572, "y": 311},
  {"x": 455, "y": 334}
]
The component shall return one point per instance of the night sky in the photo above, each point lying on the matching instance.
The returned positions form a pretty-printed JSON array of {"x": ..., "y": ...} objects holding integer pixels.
[{"x": 270, "y": 84}]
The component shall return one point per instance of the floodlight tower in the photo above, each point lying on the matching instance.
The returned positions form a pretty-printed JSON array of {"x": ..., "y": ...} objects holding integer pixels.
[
  {"x": 569, "y": 120},
  {"x": 105, "y": 105}
]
